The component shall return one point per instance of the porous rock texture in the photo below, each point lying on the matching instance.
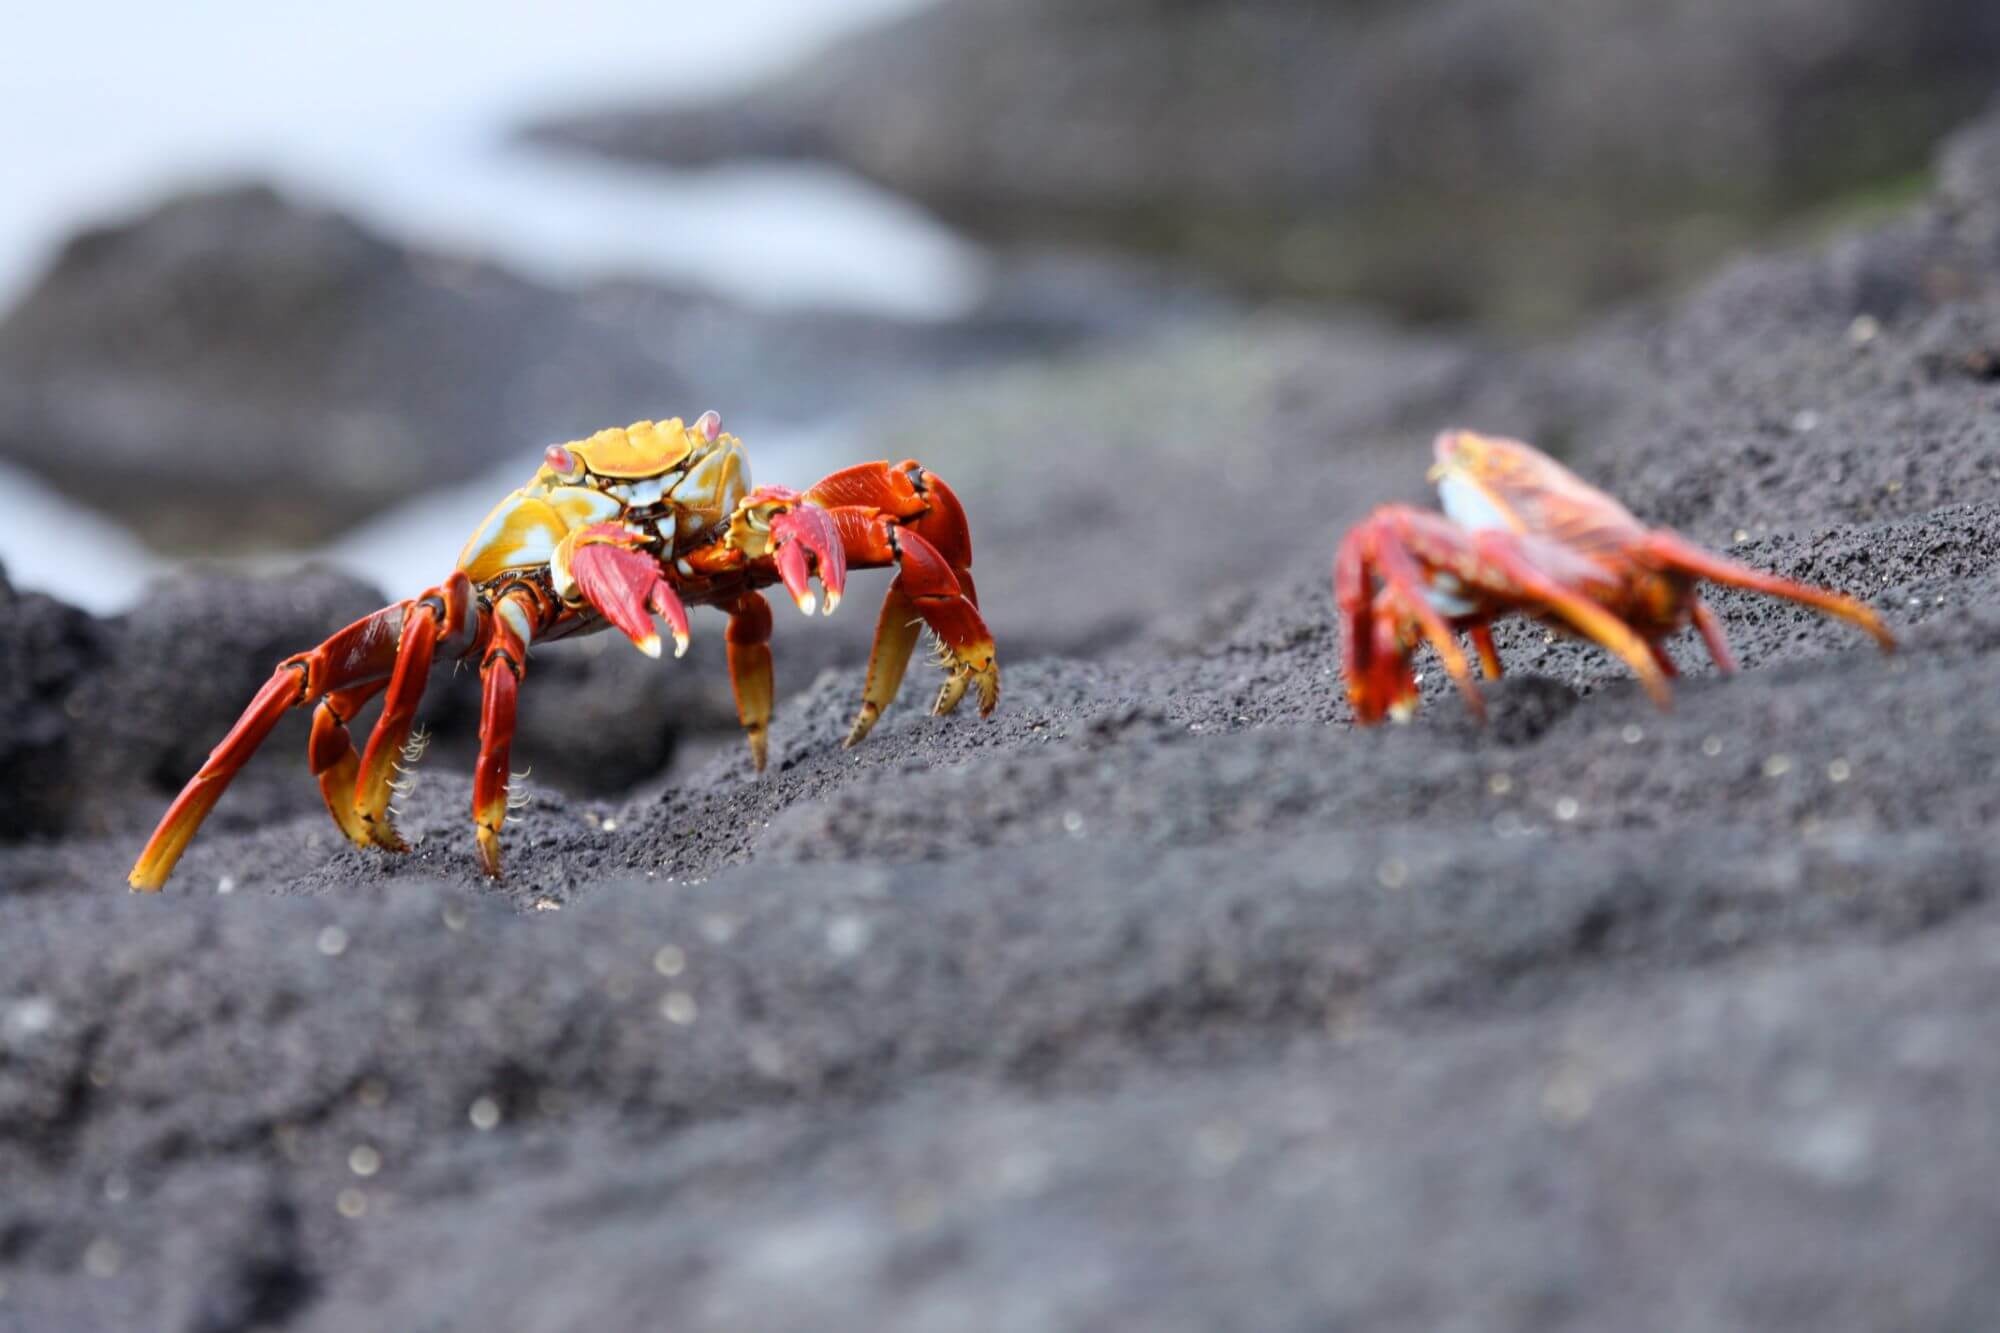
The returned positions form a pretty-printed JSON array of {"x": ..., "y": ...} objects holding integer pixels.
[{"x": 1165, "y": 998}]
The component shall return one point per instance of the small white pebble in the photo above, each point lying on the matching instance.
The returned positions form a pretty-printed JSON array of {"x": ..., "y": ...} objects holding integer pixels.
[
  {"x": 1777, "y": 765},
  {"x": 1711, "y": 746},
  {"x": 1839, "y": 771},
  {"x": 715, "y": 927},
  {"x": 610, "y": 826},
  {"x": 669, "y": 961},
  {"x": 1500, "y": 784},
  {"x": 226, "y": 885},
  {"x": 351, "y": 1203},
  {"x": 484, "y": 1114},
  {"x": 117, "y": 1188},
  {"x": 363, "y": 1160},
  {"x": 332, "y": 941},
  {"x": 1739, "y": 536},
  {"x": 1072, "y": 822},
  {"x": 30, "y": 1017},
  {"x": 1392, "y": 873},
  {"x": 1632, "y": 734},
  {"x": 547, "y": 904},
  {"x": 678, "y": 1008},
  {"x": 1567, "y": 808},
  {"x": 1864, "y": 330},
  {"x": 847, "y": 935},
  {"x": 103, "y": 1258},
  {"x": 1568, "y": 1095},
  {"x": 1803, "y": 422}
]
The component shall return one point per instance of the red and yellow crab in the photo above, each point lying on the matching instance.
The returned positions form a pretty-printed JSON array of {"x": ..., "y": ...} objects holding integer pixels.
[
  {"x": 610, "y": 530},
  {"x": 1521, "y": 534}
]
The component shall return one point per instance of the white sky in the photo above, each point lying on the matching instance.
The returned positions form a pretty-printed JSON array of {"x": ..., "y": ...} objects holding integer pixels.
[{"x": 397, "y": 111}]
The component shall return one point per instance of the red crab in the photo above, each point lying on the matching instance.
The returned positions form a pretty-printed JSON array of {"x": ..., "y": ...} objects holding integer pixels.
[
  {"x": 610, "y": 530},
  {"x": 1521, "y": 534}
]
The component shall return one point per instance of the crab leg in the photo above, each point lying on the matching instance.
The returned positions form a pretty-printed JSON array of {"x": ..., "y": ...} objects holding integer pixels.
[
  {"x": 926, "y": 585},
  {"x": 1481, "y": 635},
  {"x": 362, "y": 652},
  {"x": 1710, "y": 626},
  {"x": 1684, "y": 556},
  {"x": 331, "y": 755},
  {"x": 749, "y": 640},
  {"x": 500, "y": 673},
  {"x": 895, "y": 637},
  {"x": 1505, "y": 552},
  {"x": 391, "y": 736}
]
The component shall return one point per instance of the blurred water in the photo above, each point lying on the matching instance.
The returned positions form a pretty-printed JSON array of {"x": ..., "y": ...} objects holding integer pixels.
[{"x": 399, "y": 114}]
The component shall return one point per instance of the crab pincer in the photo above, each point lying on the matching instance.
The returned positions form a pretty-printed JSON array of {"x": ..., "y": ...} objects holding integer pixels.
[
  {"x": 609, "y": 566},
  {"x": 797, "y": 533}
]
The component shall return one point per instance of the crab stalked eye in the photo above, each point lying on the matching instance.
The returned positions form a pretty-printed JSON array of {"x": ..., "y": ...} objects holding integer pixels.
[
  {"x": 561, "y": 461},
  {"x": 710, "y": 426}
]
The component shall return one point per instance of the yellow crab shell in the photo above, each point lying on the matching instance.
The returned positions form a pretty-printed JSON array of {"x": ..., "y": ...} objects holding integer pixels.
[{"x": 684, "y": 478}]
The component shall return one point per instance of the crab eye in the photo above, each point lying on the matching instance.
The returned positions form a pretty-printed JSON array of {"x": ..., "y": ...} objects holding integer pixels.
[
  {"x": 710, "y": 426},
  {"x": 560, "y": 461}
]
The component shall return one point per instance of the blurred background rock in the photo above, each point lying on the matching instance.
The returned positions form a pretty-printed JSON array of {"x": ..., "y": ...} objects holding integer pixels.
[{"x": 1513, "y": 161}]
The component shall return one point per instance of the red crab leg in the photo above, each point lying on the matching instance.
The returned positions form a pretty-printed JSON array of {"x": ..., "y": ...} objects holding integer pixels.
[
  {"x": 500, "y": 673},
  {"x": 362, "y": 652},
  {"x": 913, "y": 497},
  {"x": 331, "y": 754},
  {"x": 895, "y": 637},
  {"x": 749, "y": 640},
  {"x": 1677, "y": 553},
  {"x": 1712, "y": 635},
  {"x": 391, "y": 736},
  {"x": 905, "y": 516},
  {"x": 1481, "y": 635},
  {"x": 1400, "y": 571},
  {"x": 1505, "y": 552},
  {"x": 927, "y": 586}
]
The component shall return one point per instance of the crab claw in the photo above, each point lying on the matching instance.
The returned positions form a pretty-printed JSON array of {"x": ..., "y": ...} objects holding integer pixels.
[
  {"x": 808, "y": 529},
  {"x": 603, "y": 563}
]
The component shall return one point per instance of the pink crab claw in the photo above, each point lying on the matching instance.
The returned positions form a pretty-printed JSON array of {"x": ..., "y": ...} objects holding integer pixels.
[
  {"x": 808, "y": 529},
  {"x": 627, "y": 586}
]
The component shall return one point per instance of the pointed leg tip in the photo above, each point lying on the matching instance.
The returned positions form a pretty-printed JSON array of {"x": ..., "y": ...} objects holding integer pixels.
[
  {"x": 649, "y": 645},
  {"x": 489, "y": 852},
  {"x": 806, "y": 602}
]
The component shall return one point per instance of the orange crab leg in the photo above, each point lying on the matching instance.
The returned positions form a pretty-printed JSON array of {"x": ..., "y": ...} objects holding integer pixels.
[
  {"x": 1676, "y": 553},
  {"x": 500, "y": 673},
  {"x": 895, "y": 638},
  {"x": 749, "y": 641},
  {"x": 331, "y": 755},
  {"x": 363, "y": 651},
  {"x": 391, "y": 736},
  {"x": 1481, "y": 635},
  {"x": 926, "y": 586},
  {"x": 1712, "y": 635},
  {"x": 1509, "y": 554}
]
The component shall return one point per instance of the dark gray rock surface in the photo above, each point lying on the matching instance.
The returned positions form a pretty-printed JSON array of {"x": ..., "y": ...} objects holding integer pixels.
[
  {"x": 1517, "y": 160},
  {"x": 1165, "y": 998}
]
